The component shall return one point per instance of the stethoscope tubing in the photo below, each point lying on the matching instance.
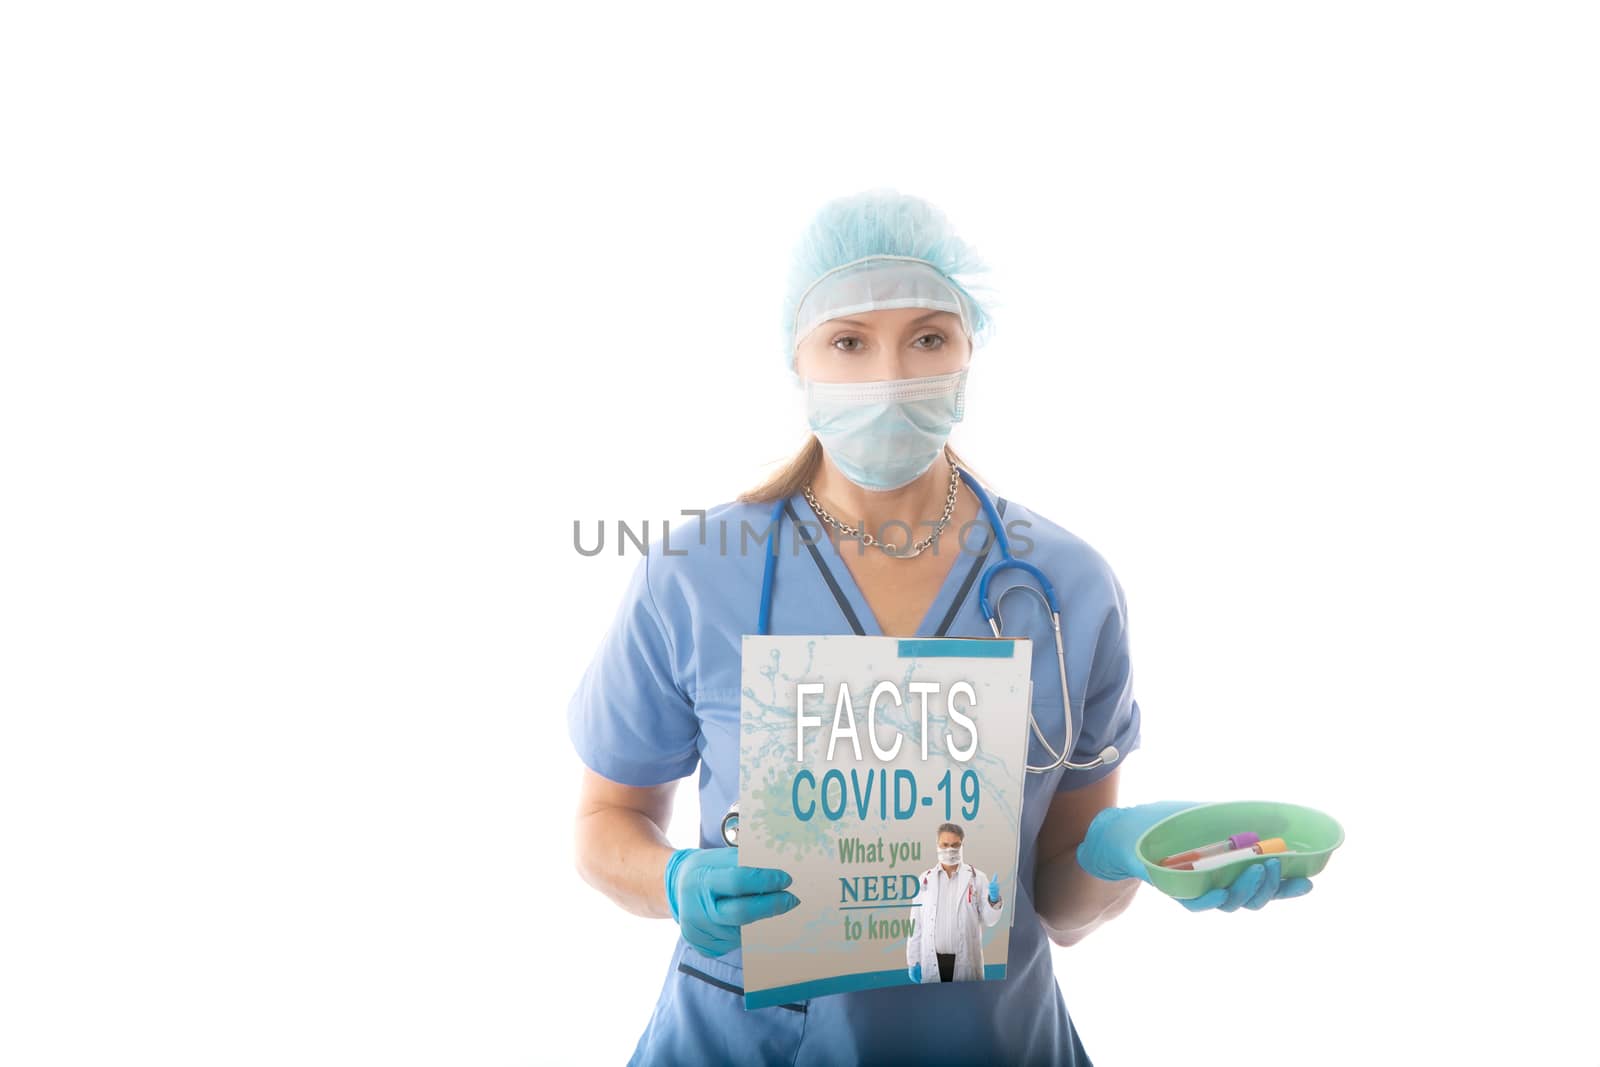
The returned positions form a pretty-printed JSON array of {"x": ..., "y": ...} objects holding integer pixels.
[{"x": 1045, "y": 592}]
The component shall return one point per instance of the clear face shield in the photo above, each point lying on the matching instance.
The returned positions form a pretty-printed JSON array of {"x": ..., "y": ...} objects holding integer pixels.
[{"x": 873, "y": 283}]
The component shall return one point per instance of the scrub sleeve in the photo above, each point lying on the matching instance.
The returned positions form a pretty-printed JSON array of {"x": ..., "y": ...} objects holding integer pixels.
[
  {"x": 629, "y": 719},
  {"x": 1110, "y": 714}
]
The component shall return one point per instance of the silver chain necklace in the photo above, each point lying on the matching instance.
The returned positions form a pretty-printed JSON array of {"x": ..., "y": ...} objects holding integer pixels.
[{"x": 866, "y": 537}]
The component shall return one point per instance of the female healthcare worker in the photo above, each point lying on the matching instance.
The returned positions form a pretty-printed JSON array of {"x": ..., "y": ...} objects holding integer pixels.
[{"x": 880, "y": 334}]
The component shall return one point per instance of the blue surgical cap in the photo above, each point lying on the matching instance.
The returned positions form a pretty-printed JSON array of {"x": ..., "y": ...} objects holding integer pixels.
[{"x": 877, "y": 249}]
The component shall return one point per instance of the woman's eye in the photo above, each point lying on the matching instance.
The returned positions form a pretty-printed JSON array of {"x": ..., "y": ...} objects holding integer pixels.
[
  {"x": 842, "y": 340},
  {"x": 937, "y": 337}
]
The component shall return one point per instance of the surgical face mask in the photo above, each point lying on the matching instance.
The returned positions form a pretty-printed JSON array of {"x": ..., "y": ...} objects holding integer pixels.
[
  {"x": 882, "y": 435},
  {"x": 950, "y": 856}
]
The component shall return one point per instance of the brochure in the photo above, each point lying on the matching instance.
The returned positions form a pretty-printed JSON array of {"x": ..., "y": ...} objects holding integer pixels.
[{"x": 858, "y": 756}]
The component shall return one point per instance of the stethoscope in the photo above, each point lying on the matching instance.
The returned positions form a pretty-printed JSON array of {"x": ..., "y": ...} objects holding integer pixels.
[{"x": 991, "y": 613}]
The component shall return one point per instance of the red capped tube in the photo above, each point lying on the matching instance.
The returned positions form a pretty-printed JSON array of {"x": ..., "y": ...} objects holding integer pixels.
[{"x": 1216, "y": 848}]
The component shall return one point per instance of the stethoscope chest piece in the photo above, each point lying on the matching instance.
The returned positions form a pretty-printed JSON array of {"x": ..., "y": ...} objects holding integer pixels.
[{"x": 730, "y": 826}]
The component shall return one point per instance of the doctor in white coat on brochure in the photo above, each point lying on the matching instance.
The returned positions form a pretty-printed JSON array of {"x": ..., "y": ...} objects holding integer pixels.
[{"x": 946, "y": 942}]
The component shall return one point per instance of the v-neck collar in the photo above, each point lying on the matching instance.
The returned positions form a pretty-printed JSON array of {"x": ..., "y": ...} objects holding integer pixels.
[{"x": 953, "y": 591}]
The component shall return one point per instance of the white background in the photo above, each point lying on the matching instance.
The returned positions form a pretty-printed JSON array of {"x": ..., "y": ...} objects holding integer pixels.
[{"x": 323, "y": 322}]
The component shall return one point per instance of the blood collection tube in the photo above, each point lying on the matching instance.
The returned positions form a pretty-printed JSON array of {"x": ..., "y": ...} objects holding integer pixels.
[
  {"x": 1232, "y": 844},
  {"x": 1262, "y": 848}
]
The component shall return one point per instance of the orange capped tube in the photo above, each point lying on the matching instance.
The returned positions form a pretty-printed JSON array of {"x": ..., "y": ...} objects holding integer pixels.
[{"x": 1261, "y": 848}]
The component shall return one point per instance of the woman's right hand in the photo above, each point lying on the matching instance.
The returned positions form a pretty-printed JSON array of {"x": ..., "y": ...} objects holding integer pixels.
[{"x": 712, "y": 896}]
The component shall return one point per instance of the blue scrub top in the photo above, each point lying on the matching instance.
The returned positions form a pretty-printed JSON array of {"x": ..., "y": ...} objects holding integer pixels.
[{"x": 661, "y": 696}]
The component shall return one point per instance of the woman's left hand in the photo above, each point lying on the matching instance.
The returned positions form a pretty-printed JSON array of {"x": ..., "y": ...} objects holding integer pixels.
[
  {"x": 1255, "y": 885},
  {"x": 1107, "y": 852}
]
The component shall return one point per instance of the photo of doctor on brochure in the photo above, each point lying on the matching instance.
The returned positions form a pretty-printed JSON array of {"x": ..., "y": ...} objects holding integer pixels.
[{"x": 956, "y": 901}]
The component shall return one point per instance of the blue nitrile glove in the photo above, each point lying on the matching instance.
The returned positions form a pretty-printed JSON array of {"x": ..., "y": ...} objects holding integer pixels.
[
  {"x": 915, "y": 971},
  {"x": 712, "y": 896},
  {"x": 994, "y": 889},
  {"x": 1107, "y": 852}
]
